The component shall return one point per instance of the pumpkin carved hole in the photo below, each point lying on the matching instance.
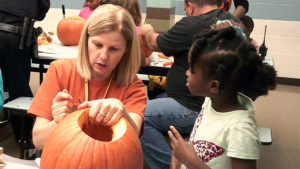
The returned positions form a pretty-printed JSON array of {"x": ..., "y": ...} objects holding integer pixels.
[{"x": 100, "y": 132}]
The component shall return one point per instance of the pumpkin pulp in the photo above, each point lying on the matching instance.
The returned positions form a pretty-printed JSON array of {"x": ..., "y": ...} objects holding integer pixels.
[{"x": 101, "y": 132}]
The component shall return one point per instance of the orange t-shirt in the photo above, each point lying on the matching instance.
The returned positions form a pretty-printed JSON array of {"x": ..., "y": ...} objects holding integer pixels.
[{"x": 63, "y": 74}]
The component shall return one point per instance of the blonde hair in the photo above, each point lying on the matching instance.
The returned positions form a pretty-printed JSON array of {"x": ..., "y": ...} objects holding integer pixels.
[
  {"x": 132, "y": 6},
  {"x": 108, "y": 18}
]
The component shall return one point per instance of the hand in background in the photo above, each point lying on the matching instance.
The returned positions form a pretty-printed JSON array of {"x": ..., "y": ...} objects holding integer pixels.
[
  {"x": 104, "y": 111},
  {"x": 146, "y": 28},
  {"x": 182, "y": 150},
  {"x": 62, "y": 105}
]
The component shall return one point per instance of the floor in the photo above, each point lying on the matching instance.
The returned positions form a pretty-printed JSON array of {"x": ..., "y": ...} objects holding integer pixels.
[{"x": 7, "y": 141}]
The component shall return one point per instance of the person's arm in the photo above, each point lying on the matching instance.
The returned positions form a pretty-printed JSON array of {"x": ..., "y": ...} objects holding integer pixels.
[
  {"x": 41, "y": 130},
  {"x": 241, "y": 8},
  {"x": 61, "y": 107},
  {"x": 184, "y": 151},
  {"x": 43, "y": 7},
  {"x": 136, "y": 122},
  {"x": 150, "y": 36},
  {"x": 239, "y": 12},
  {"x": 243, "y": 164},
  {"x": 243, "y": 145}
]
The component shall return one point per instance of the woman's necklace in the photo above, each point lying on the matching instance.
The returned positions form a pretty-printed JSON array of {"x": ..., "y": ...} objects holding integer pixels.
[{"x": 86, "y": 88}]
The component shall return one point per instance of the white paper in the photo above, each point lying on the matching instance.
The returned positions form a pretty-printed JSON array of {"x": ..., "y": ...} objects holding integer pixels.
[{"x": 16, "y": 163}]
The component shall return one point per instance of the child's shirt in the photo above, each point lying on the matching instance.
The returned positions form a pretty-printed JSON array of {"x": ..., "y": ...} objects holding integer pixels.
[
  {"x": 85, "y": 12},
  {"x": 218, "y": 136}
]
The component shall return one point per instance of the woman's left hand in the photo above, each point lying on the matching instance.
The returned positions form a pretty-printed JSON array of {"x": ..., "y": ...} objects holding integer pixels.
[{"x": 104, "y": 111}]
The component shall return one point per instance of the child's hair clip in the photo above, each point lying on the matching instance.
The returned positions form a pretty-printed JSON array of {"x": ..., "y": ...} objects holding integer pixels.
[{"x": 102, "y": 2}]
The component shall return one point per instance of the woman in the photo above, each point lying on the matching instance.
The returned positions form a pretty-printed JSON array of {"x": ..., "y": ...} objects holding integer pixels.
[{"x": 104, "y": 75}]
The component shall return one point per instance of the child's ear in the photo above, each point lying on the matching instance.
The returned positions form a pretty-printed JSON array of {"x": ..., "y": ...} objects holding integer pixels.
[{"x": 214, "y": 86}]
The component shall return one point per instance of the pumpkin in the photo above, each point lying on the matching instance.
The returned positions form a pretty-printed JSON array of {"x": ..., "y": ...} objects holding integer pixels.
[
  {"x": 69, "y": 30},
  {"x": 76, "y": 144},
  {"x": 145, "y": 49}
]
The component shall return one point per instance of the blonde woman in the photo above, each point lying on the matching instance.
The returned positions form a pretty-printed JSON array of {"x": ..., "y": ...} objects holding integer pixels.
[{"x": 102, "y": 78}]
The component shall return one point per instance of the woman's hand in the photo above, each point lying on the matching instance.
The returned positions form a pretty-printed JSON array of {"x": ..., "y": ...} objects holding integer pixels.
[
  {"x": 182, "y": 150},
  {"x": 104, "y": 111},
  {"x": 62, "y": 106}
]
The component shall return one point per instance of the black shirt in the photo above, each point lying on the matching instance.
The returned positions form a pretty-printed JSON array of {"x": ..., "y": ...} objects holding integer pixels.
[
  {"x": 34, "y": 9},
  {"x": 177, "y": 42}
]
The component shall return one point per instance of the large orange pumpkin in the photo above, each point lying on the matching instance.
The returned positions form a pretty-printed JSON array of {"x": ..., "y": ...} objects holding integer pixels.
[
  {"x": 76, "y": 144},
  {"x": 69, "y": 30}
]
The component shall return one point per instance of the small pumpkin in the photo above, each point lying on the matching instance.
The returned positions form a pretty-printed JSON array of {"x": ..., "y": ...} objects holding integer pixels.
[
  {"x": 76, "y": 144},
  {"x": 145, "y": 49},
  {"x": 69, "y": 30}
]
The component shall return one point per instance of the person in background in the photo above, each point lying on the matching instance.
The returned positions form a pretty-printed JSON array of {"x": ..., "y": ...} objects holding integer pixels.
[
  {"x": 133, "y": 7},
  {"x": 102, "y": 78},
  {"x": 249, "y": 25},
  {"x": 179, "y": 107},
  {"x": 223, "y": 65},
  {"x": 17, "y": 46},
  {"x": 88, "y": 8},
  {"x": 241, "y": 6}
]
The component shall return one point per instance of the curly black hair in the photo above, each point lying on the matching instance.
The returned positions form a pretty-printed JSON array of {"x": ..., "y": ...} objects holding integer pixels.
[{"x": 233, "y": 61}]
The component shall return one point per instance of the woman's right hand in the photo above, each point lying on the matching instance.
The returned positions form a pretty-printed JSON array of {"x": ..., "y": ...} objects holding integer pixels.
[{"x": 62, "y": 106}]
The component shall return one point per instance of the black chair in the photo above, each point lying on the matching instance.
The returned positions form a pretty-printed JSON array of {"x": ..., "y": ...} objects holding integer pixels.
[{"x": 19, "y": 107}]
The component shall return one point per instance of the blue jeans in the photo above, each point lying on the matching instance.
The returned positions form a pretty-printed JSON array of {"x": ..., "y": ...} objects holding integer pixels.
[{"x": 160, "y": 114}]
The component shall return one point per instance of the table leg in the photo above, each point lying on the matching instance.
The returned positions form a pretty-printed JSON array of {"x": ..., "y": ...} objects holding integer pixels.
[
  {"x": 41, "y": 66},
  {"x": 22, "y": 141}
]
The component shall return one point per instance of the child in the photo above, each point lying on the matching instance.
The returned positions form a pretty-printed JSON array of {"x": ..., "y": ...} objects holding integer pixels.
[
  {"x": 222, "y": 67},
  {"x": 249, "y": 24},
  {"x": 88, "y": 8}
]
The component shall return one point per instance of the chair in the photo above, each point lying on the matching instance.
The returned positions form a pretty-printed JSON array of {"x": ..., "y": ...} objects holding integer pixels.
[
  {"x": 265, "y": 135},
  {"x": 19, "y": 107}
]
